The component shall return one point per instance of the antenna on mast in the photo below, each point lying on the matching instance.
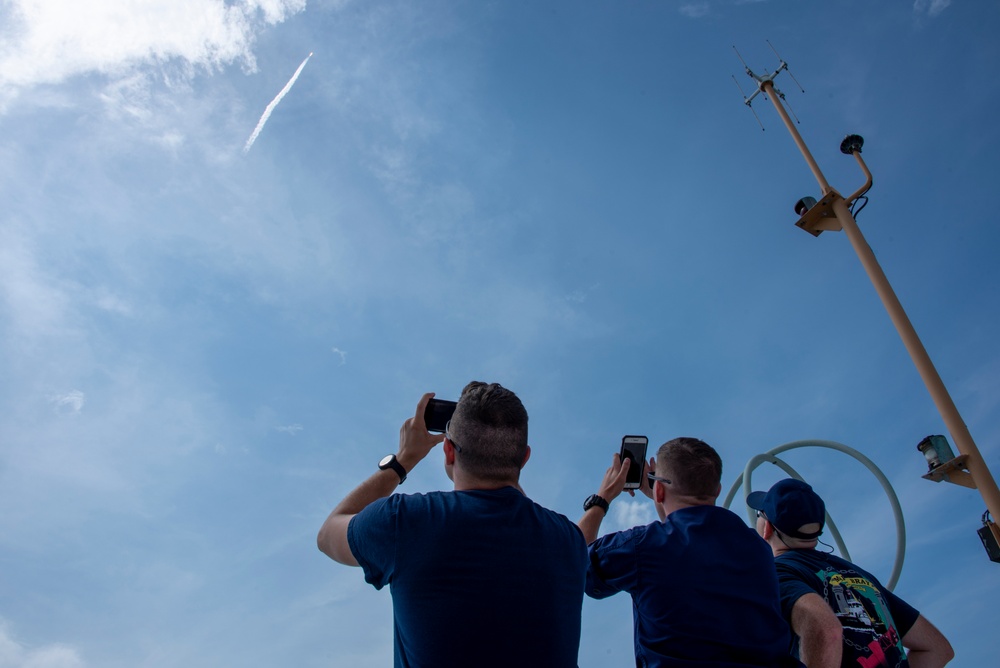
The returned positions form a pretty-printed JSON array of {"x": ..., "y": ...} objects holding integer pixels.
[
  {"x": 766, "y": 79},
  {"x": 784, "y": 65},
  {"x": 788, "y": 104},
  {"x": 747, "y": 102}
]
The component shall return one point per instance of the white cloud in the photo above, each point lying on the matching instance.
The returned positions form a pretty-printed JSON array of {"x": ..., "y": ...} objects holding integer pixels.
[
  {"x": 48, "y": 41},
  {"x": 930, "y": 7},
  {"x": 35, "y": 304},
  {"x": 72, "y": 401},
  {"x": 627, "y": 512},
  {"x": 343, "y": 355},
  {"x": 290, "y": 429},
  {"x": 112, "y": 303},
  {"x": 694, "y": 10},
  {"x": 15, "y": 655}
]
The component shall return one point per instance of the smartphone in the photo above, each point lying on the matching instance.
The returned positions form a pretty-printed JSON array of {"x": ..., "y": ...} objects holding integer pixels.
[
  {"x": 437, "y": 414},
  {"x": 634, "y": 449}
]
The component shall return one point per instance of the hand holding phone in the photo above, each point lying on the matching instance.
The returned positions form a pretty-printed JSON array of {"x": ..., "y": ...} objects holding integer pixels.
[
  {"x": 438, "y": 413},
  {"x": 634, "y": 449}
]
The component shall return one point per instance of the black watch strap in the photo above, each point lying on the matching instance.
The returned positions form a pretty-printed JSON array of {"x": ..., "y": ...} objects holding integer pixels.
[
  {"x": 595, "y": 500},
  {"x": 390, "y": 462}
]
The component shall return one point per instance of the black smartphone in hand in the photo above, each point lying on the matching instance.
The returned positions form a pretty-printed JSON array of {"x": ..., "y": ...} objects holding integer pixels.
[
  {"x": 634, "y": 449},
  {"x": 437, "y": 414}
]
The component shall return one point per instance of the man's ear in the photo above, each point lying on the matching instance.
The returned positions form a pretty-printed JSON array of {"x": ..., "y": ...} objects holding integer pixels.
[
  {"x": 449, "y": 452},
  {"x": 659, "y": 492},
  {"x": 527, "y": 455}
]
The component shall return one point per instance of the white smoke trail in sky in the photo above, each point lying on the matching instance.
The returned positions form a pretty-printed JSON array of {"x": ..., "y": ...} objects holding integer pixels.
[{"x": 274, "y": 103}]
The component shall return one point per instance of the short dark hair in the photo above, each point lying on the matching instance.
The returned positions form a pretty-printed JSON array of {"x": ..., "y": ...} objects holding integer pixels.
[
  {"x": 490, "y": 425},
  {"x": 693, "y": 466}
]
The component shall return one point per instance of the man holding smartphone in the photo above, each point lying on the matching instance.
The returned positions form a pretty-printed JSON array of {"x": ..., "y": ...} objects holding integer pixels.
[
  {"x": 703, "y": 586},
  {"x": 479, "y": 576}
]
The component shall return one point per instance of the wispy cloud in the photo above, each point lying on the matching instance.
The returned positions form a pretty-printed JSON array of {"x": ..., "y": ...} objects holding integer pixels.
[
  {"x": 290, "y": 429},
  {"x": 71, "y": 402},
  {"x": 111, "y": 303},
  {"x": 34, "y": 302},
  {"x": 930, "y": 7},
  {"x": 14, "y": 653},
  {"x": 49, "y": 42},
  {"x": 343, "y": 355},
  {"x": 694, "y": 10}
]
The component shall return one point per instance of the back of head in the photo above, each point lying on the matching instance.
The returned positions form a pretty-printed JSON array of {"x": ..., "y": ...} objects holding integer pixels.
[
  {"x": 490, "y": 426},
  {"x": 794, "y": 509},
  {"x": 693, "y": 467}
]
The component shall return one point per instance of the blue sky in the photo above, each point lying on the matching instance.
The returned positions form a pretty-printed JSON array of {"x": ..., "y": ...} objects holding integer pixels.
[{"x": 204, "y": 350}]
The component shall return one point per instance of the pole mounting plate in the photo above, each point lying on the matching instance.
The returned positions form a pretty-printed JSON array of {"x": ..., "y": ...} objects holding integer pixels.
[
  {"x": 821, "y": 218},
  {"x": 953, "y": 471}
]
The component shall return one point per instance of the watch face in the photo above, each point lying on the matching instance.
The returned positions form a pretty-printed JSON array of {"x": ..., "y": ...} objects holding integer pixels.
[{"x": 385, "y": 460}]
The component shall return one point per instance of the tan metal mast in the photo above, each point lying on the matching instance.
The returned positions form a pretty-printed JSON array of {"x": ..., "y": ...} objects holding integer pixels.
[{"x": 832, "y": 213}]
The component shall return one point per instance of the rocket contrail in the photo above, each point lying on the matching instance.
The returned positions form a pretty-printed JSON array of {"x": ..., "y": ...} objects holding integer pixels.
[{"x": 274, "y": 103}]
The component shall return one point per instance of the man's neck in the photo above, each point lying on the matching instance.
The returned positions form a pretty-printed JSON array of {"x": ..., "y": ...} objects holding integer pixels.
[
  {"x": 465, "y": 483},
  {"x": 779, "y": 546},
  {"x": 678, "y": 503}
]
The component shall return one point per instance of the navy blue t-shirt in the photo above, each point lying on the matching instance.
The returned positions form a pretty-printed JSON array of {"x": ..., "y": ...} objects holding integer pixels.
[
  {"x": 704, "y": 591},
  {"x": 874, "y": 619},
  {"x": 478, "y": 578}
]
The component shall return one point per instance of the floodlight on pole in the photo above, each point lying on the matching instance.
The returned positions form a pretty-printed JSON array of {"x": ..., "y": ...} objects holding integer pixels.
[{"x": 832, "y": 213}]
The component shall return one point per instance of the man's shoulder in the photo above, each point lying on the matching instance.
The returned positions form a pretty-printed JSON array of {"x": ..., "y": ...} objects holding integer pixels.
[
  {"x": 716, "y": 525},
  {"x": 798, "y": 558},
  {"x": 813, "y": 558},
  {"x": 411, "y": 506},
  {"x": 555, "y": 515},
  {"x": 810, "y": 564},
  {"x": 557, "y": 521},
  {"x": 691, "y": 521},
  {"x": 634, "y": 538},
  {"x": 706, "y": 513},
  {"x": 504, "y": 504},
  {"x": 798, "y": 566}
]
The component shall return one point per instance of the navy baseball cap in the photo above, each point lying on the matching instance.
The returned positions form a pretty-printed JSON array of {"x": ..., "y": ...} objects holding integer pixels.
[{"x": 790, "y": 505}]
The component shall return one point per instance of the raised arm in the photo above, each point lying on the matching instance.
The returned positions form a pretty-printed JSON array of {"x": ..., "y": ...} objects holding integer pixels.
[
  {"x": 821, "y": 637},
  {"x": 611, "y": 486},
  {"x": 415, "y": 442},
  {"x": 928, "y": 648}
]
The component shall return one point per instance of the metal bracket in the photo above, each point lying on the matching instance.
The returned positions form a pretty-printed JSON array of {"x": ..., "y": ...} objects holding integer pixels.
[
  {"x": 821, "y": 218},
  {"x": 954, "y": 471}
]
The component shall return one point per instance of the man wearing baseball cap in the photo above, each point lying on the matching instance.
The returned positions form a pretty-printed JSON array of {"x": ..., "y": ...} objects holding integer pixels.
[{"x": 840, "y": 613}]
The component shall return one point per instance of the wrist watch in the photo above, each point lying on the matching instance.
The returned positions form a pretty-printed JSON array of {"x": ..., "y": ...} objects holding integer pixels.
[
  {"x": 595, "y": 500},
  {"x": 390, "y": 462}
]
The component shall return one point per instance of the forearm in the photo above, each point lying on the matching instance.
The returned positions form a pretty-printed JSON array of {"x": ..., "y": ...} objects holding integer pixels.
[
  {"x": 332, "y": 537},
  {"x": 816, "y": 652},
  {"x": 611, "y": 486},
  {"x": 928, "y": 648},
  {"x": 590, "y": 523},
  {"x": 821, "y": 637},
  {"x": 377, "y": 486},
  {"x": 415, "y": 442},
  {"x": 923, "y": 658}
]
